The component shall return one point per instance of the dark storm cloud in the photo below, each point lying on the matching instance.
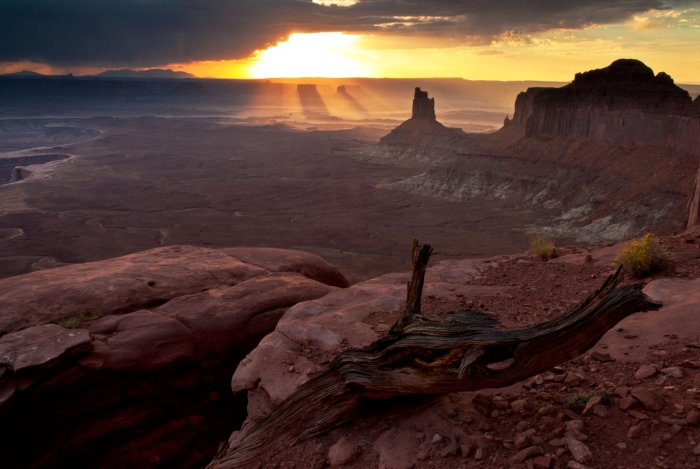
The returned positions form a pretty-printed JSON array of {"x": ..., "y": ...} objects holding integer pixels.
[{"x": 156, "y": 32}]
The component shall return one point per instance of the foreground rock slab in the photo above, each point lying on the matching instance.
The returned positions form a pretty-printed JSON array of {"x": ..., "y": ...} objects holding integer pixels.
[{"x": 149, "y": 365}]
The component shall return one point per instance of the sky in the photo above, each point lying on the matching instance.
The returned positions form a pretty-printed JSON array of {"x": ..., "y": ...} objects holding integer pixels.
[{"x": 472, "y": 39}]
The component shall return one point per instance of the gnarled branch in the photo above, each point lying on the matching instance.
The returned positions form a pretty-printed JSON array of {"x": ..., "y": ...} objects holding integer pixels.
[{"x": 421, "y": 355}]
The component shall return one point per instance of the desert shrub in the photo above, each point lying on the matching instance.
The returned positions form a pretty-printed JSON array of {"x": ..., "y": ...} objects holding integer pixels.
[
  {"x": 231, "y": 282},
  {"x": 582, "y": 398},
  {"x": 543, "y": 248},
  {"x": 642, "y": 258},
  {"x": 74, "y": 322}
]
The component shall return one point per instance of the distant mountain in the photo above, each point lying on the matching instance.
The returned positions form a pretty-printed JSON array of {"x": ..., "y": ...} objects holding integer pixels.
[
  {"x": 152, "y": 73},
  {"x": 23, "y": 73}
]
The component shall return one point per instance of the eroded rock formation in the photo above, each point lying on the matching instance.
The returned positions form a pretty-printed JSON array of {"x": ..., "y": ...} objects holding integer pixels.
[
  {"x": 624, "y": 103},
  {"x": 127, "y": 362},
  {"x": 422, "y": 128},
  {"x": 607, "y": 157},
  {"x": 348, "y": 318},
  {"x": 11, "y": 167},
  {"x": 423, "y": 107}
]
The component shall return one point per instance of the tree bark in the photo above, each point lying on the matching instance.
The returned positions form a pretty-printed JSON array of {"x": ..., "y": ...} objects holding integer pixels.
[{"x": 452, "y": 352}]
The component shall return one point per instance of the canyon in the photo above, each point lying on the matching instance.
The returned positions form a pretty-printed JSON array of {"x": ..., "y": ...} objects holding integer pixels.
[
  {"x": 177, "y": 278},
  {"x": 608, "y": 157},
  {"x": 12, "y": 167}
]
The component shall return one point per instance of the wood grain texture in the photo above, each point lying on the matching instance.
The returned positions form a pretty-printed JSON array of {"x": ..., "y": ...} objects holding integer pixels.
[{"x": 455, "y": 352}]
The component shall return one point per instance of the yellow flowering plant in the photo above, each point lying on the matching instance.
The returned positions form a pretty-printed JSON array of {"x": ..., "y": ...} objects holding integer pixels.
[{"x": 642, "y": 258}]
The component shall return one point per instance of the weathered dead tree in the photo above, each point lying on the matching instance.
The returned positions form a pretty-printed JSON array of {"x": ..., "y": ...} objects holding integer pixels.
[{"x": 435, "y": 355}]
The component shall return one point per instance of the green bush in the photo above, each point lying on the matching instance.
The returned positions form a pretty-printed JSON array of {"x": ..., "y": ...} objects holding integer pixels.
[
  {"x": 582, "y": 398},
  {"x": 543, "y": 248},
  {"x": 74, "y": 322},
  {"x": 641, "y": 259}
]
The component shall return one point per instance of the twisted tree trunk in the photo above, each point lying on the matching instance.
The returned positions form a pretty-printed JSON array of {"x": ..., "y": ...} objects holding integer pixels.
[{"x": 450, "y": 353}]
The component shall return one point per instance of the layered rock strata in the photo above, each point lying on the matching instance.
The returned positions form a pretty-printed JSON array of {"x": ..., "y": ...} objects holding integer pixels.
[
  {"x": 624, "y": 103},
  {"x": 11, "y": 166},
  {"x": 608, "y": 157},
  {"x": 121, "y": 362}
]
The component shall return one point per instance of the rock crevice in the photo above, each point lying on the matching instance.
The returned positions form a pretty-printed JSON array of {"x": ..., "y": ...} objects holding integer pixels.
[{"x": 120, "y": 362}]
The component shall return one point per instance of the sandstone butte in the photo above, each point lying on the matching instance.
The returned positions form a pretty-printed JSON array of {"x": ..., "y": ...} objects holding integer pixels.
[
  {"x": 158, "y": 340},
  {"x": 616, "y": 137}
]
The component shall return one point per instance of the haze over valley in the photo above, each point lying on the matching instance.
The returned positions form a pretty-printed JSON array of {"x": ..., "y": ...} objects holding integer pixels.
[{"x": 363, "y": 234}]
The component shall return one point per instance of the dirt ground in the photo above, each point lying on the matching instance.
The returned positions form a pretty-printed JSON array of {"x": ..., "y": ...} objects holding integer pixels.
[
  {"x": 148, "y": 182},
  {"x": 528, "y": 424}
]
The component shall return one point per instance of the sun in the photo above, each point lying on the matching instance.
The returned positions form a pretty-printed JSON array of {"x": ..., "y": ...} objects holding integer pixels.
[{"x": 310, "y": 55}]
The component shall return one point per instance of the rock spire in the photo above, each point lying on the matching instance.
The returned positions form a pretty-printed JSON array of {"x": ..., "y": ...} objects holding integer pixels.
[{"x": 422, "y": 105}]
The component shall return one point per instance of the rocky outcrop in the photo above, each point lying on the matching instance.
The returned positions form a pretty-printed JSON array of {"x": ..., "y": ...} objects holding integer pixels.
[
  {"x": 19, "y": 134},
  {"x": 120, "y": 362},
  {"x": 608, "y": 157},
  {"x": 310, "y": 98},
  {"x": 313, "y": 333},
  {"x": 624, "y": 103},
  {"x": 420, "y": 430},
  {"x": 11, "y": 166},
  {"x": 419, "y": 133}
]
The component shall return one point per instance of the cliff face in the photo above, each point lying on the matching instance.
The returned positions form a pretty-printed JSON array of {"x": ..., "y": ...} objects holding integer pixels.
[
  {"x": 624, "y": 103},
  {"x": 10, "y": 167},
  {"x": 608, "y": 157}
]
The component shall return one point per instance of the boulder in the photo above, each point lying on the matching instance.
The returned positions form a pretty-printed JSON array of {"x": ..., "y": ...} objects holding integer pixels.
[
  {"x": 579, "y": 451},
  {"x": 677, "y": 316},
  {"x": 649, "y": 398},
  {"x": 343, "y": 452}
]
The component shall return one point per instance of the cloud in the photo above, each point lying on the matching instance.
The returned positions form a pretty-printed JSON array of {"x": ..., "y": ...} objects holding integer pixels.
[
  {"x": 490, "y": 52},
  {"x": 142, "y": 33}
]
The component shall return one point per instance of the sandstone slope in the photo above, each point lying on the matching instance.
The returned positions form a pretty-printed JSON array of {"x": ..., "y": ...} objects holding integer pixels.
[
  {"x": 496, "y": 428},
  {"x": 120, "y": 362}
]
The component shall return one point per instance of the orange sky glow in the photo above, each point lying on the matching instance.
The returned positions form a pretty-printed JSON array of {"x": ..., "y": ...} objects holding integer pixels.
[{"x": 665, "y": 40}]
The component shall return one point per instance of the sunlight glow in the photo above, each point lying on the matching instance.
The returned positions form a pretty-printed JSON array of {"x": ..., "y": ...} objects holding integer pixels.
[
  {"x": 340, "y": 3},
  {"x": 310, "y": 55},
  {"x": 665, "y": 40}
]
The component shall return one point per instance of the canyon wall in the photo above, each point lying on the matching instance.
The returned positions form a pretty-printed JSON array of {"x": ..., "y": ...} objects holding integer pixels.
[
  {"x": 20, "y": 134},
  {"x": 610, "y": 156},
  {"x": 623, "y": 104},
  {"x": 11, "y": 167}
]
